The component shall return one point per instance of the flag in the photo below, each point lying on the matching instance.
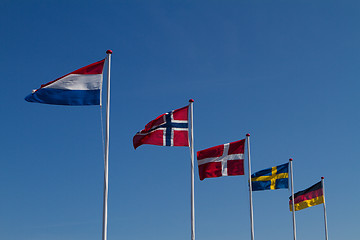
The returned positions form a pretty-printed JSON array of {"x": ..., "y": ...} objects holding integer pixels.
[
  {"x": 222, "y": 160},
  {"x": 168, "y": 129},
  {"x": 80, "y": 87},
  {"x": 271, "y": 178},
  {"x": 309, "y": 197}
]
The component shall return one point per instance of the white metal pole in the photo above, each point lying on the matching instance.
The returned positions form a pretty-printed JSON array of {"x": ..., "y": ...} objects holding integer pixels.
[
  {"x": 250, "y": 187},
  {"x": 106, "y": 157},
  {"x": 325, "y": 218},
  {"x": 292, "y": 197},
  {"x": 191, "y": 101}
]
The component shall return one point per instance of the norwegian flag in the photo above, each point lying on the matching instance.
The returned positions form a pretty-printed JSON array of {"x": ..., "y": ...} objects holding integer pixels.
[
  {"x": 169, "y": 129},
  {"x": 222, "y": 160}
]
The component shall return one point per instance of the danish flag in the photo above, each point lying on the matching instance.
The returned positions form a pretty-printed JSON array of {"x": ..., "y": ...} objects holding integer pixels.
[
  {"x": 169, "y": 129},
  {"x": 222, "y": 160}
]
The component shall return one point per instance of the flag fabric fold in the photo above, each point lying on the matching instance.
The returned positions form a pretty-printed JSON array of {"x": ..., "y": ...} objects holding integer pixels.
[
  {"x": 168, "y": 129},
  {"x": 309, "y": 197},
  {"x": 223, "y": 160},
  {"x": 271, "y": 178},
  {"x": 80, "y": 87}
]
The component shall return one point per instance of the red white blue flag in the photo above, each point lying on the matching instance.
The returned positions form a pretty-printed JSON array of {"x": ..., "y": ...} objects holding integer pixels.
[
  {"x": 168, "y": 129},
  {"x": 222, "y": 160},
  {"x": 80, "y": 87}
]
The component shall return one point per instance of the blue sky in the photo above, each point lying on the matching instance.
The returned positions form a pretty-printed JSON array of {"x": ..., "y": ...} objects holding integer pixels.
[{"x": 285, "y": 72}]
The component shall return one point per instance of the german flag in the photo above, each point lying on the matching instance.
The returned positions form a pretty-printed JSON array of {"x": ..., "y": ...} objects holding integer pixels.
[{"x": 312, "y": 196}]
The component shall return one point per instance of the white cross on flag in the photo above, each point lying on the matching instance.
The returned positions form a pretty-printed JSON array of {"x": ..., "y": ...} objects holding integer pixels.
[{"x": 222, "y": 160}]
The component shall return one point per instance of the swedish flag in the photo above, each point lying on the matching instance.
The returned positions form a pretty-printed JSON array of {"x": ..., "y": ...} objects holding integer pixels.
[{"x": 271, "y": 178}]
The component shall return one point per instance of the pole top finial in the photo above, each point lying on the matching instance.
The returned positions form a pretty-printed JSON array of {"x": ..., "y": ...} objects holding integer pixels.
[
  {"x": 248, "y": 134},
  {"x": 191, "y": 100},
  {"x": 109, "y": 51},
  {"x": 290, "y": 159},
  {"x": 322, "y": 177}
]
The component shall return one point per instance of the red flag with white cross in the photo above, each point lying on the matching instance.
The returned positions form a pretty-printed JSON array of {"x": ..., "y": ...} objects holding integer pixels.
[{"x": 222, "y": 160}]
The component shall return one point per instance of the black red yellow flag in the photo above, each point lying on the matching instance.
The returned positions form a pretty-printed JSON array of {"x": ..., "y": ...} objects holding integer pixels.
[{"x": 309, "y": 197}]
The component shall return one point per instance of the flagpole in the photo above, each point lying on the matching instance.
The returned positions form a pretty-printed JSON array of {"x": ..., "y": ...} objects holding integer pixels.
[
  {"x": 292, "y": 198},
  {"x": 106, "y": 157},
  {"x": 191, "y": 101},
  {"x": 250, "y": 188},
  {"x": 325, "y": 218}
]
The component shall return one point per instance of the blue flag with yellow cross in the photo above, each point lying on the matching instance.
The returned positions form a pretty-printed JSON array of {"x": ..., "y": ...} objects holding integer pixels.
[{"x": 271, "y": 178}]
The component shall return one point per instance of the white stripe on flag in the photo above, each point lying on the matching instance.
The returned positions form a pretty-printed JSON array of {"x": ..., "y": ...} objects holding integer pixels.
[
  {"x": 224, "y": 162},
  {"x": 78, "y": 82},
  {"x": 180, "y": 129},
  {"x": 164, "y": 136},
  {"x": 179, "y": 121},
  {"x": 239, "y": 156}
]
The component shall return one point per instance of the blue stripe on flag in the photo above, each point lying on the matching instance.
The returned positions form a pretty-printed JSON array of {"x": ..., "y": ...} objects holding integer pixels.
[
  {"x": 260, "y": 185},
  {"x": 168, "y": 129},
  {"x": 65, "y": 97},
  {"x": 169, "y": 125},
  {"x": 265, "y": 185}
]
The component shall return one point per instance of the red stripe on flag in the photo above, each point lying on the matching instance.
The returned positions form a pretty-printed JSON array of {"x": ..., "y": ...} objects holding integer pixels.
[
  {"x": 94, "y": 68},
  {"x": 307, "y": 196}
]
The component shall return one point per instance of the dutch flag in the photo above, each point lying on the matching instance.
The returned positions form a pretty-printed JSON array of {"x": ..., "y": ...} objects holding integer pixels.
[{"x": 80, "y": 87}]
